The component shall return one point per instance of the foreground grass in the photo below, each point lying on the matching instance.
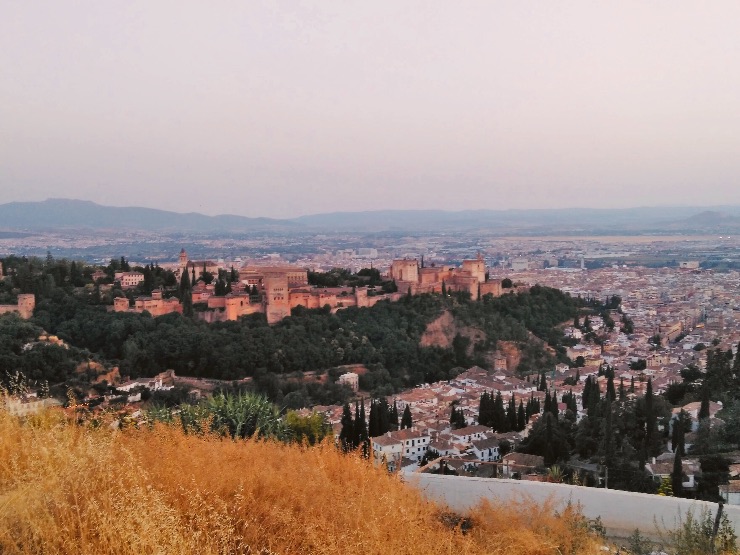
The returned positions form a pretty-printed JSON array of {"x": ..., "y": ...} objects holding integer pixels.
[{"x": 72, "y": 489}]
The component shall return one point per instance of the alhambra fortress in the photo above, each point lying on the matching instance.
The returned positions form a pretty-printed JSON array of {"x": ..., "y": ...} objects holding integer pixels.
[
  {"x": 282, "y": 288},
  {"x": 24, "y": 307}
]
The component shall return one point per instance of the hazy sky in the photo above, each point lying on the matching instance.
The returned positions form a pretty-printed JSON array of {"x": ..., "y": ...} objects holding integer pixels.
[{"x": 288, "y": 108}]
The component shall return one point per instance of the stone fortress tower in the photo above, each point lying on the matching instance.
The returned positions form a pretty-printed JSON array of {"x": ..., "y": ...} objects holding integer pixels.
[
  {"x": 24, "y": 307},
  {"x": 26, "y": 304},
  {"x": 476, "y": 268},
  {"x": 405, "y": 270},
  {"x": 277, "y": 302}
]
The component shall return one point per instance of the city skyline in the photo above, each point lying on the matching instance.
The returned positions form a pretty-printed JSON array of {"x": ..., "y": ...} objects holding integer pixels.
[{"x": 301, "y": 109}]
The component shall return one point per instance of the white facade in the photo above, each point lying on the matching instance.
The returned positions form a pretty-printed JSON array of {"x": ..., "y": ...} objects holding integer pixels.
[{"x": 129, "y": 279}]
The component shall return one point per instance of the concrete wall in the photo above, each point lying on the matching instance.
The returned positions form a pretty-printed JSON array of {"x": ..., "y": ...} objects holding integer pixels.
[{"x": 620, "y": 511}]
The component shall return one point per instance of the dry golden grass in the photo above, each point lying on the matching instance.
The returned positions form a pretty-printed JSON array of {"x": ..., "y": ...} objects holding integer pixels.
[{"x": 72, "y": 489}]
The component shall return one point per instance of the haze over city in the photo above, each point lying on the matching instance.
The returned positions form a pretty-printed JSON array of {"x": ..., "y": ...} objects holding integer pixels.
[{"x": 260, "y": 109}]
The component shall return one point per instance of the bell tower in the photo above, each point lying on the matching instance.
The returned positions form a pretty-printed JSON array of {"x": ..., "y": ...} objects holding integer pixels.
[{"x": 183, "y": 259}]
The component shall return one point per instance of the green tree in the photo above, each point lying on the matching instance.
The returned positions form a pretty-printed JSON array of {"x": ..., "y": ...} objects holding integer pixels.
[
  {"x": 406, "y": 420},
  {"x": 611, "y": 394},
  {"x": 548, "y": 440},
  {"x": 186, "y": 295},
  {"x": 521, "y": 418},
  {"x": 457, "y": 418},
  {"x": 677, "y": 473},
  {"x": 704, "y": 407},
  {"x": 347, "y": 433},
  {"x": 311, "y": 429}
]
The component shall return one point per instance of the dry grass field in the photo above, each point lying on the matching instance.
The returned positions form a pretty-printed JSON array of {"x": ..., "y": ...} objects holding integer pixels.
[{"x": 66, "y": 488}]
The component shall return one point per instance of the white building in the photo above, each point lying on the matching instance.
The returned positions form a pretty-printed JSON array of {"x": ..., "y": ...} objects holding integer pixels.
[
  {"x": 129, "y": 279},
  {"x": 387, "y": 449},
  {"x": 486, "y": 450},
  {"x": 415, "y": 442},
  {"x": 351, "y": 380}
]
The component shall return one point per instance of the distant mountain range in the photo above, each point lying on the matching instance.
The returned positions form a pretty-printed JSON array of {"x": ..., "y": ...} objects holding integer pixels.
[
  {"x": 59, "y": 214},
  {"x": 82, "y": 214}
]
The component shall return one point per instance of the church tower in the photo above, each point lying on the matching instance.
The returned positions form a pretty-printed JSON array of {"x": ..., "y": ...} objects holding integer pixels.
[{"x": 183, "y": 259}]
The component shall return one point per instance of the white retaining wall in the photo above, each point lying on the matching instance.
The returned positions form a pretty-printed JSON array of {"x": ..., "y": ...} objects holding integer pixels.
[{"x": 620, "y": 511}]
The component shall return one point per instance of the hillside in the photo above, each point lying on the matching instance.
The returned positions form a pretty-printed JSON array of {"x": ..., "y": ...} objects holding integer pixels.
[
  {"x": 74, "y": 489},
  {"x": 389, "y": 339},
  {"x": 78, "y": 214}
]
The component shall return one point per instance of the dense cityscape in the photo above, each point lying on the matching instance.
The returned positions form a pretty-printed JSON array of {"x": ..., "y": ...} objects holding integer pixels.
[{"x": 649, "y": 313}]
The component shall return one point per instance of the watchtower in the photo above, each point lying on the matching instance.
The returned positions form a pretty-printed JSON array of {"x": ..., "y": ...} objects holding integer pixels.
[{"x": 26, "y": 304}]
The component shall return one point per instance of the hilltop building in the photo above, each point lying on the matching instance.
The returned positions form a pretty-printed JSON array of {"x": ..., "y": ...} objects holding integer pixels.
[
  {"x": 470, "y": 277},
  {"x": 129, "y": 280},
  {"x": 276, "y": 290},
  {"x": 196, "y": 266}
]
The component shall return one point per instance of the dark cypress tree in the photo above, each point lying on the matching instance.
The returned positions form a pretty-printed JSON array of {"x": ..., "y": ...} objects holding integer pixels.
[
  {"x": 356, "y": 427},
  {"x": 578, "y": 375},
  {"x": 511, "y": 413},
  {"x": 219, "y": 289},
  {"x": 393, "y": 421},
  {"x": 500, "y": 420},
  {"x": 677, "y": 430},
  {"x": 347, "y": 432},
  {"x": 186, "y": 295},
  {"x": 550, "y": 454},
  {"x": 457, "y": 419},
  {"x": 622, "y": 392},
  {"x": 543, "y": 382},
  {"x": 385, "y": 416},
  {"x": 363, "y": 422},
  {"x": 184, "y": 282},
  {"x": 594, "y": 397},
  {"x": 521, "y": 418},
  {"x": 608, "y": 434},
  {"x": 650, "y": 419},
  {"x": 406, "y": 420},
  {"x": 547, "y": 402},
  {"x": 444, "y": 289},
  {"x": 586, "y": 395},
  {"x": 75, "y": 275},
  {"x": 704, "y": 407},
  {"x": 485, "y": 410},
  {"x": 719, "y": 375},
  {"x": 736, "y": 363},
  {"x": 677, "y": 474},
  {"x": 554, "y": 405},
  {"x": 373, "y": 426},
  {"x": 611, "y": 394}
]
